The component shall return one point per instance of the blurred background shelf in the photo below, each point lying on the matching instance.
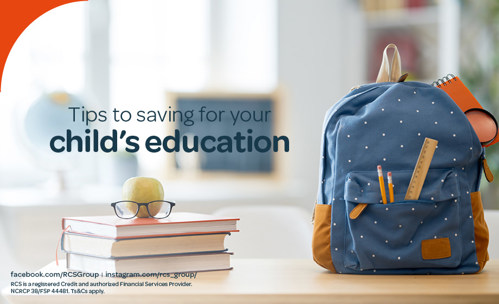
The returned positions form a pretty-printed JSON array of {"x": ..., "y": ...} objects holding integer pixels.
[
  {"x": 426, "y": 33},
  {"x": 403, "y": 17}
]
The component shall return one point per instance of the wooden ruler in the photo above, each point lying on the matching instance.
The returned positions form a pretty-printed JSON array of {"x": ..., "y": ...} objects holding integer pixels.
[{"x": 421, "y": 169}]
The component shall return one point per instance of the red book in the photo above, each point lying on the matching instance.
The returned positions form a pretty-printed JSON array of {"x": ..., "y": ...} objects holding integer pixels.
[{"x": 180, "y": 223}]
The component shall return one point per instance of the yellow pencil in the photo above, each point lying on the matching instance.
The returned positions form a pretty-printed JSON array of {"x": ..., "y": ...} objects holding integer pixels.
[
  {"x": 381, "y": 184},
  {"x": 390, "y": 186}
]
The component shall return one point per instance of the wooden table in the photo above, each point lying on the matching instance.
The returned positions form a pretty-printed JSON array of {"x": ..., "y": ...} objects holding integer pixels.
[{"x": 285, "y": 281}]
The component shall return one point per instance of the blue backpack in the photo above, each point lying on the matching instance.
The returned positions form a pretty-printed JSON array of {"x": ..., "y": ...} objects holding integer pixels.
[{"x": 386, "y": 123}]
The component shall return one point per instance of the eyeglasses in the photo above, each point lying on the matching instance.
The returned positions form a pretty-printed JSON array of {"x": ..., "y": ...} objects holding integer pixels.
[{"x": 130, "y": 209}]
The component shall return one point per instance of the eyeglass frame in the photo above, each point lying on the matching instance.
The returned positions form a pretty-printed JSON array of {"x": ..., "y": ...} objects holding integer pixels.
[{"x": 172, "y": 204}]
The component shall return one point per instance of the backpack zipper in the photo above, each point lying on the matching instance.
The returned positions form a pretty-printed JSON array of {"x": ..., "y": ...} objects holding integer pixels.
[{"x": 488, "y": 173}]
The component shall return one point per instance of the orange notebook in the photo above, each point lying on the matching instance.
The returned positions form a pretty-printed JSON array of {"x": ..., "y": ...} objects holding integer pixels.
[{"x": 461, "y": 95}]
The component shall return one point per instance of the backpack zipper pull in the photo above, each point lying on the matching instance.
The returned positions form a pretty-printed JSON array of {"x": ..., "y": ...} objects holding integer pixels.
[
  {"x": 488, "y": 173},
  {"x": 357, "y": 211},
  {"x": 403, "y": 77}
]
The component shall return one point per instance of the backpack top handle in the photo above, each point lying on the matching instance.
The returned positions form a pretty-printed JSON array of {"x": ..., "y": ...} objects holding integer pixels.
[{"x": 390, "y": 72}]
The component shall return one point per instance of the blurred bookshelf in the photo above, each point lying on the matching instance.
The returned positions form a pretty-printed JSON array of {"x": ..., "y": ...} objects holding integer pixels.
[
  {"x": 426, "y": 33},
  {"x": 435, "y": 38}
]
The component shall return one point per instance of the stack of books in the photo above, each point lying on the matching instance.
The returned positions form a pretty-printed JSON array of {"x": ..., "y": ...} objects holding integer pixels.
[{"x": 182, "y": 242}]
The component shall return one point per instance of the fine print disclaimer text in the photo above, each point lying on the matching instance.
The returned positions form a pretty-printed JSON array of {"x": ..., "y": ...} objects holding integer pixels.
[{"x": 74, "y": 282}]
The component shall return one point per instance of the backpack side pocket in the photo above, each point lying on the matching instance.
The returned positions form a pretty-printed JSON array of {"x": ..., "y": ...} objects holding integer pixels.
[
  {"x": 481, "y": 230},
  {"x": 321, "y": 240}
]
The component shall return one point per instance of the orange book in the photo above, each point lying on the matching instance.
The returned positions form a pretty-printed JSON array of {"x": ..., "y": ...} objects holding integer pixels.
[
  {"x": 461, "y": 95},
  {"x": 179, "y": 223}
]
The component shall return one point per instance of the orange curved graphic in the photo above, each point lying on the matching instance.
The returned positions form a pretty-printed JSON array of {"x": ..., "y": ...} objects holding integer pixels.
[{"x": 15, "y": 16}]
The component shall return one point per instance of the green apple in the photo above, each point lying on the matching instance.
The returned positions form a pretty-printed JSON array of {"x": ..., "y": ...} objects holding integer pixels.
[{"x": 143, "y": 190}]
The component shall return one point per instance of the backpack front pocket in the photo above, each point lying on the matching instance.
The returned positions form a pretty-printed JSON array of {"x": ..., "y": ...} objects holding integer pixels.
[{"x": 420, "y": 233}]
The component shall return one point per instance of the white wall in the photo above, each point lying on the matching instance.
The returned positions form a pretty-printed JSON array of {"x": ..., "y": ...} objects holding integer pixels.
[{"x": 317, "y": 65}]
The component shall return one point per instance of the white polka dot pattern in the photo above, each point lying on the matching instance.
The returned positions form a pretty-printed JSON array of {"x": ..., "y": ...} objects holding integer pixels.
[{"x": 386, "y": 124}]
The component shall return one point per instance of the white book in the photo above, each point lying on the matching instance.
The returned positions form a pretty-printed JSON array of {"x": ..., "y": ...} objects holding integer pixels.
[
  {"x": 141, "y": 246},
  {"x": 162, "y": 264}
]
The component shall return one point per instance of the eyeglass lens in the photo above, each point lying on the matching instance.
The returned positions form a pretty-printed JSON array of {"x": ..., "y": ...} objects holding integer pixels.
[
  {"x": 128, "y": 209},
  {"x": 159, "y": 209}
]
